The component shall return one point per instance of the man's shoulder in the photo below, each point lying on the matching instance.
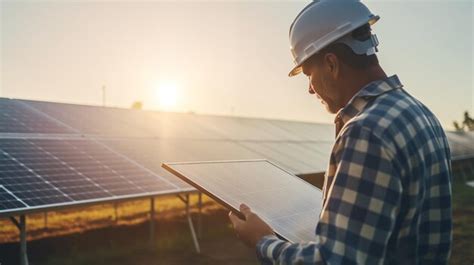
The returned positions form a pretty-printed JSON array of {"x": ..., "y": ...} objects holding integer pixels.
[
  {"x": 396, "y": 117},
  {"x": 394, "y": 110}
]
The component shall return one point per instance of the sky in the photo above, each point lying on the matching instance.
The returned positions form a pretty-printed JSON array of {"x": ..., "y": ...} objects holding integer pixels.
[{"x": 219, "y": 57}]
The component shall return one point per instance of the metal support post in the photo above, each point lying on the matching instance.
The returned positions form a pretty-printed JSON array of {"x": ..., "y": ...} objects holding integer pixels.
[
  {"x": 21, "y": 225},
  {"x": 15, "y": 222},
  {"x": 181, "y": 198},
  {"x": 152, "y": 222},
  {"x": 191, "y": 226},
  {"x": 23, "y": 252},
  {"x": 200, "y": 215}
]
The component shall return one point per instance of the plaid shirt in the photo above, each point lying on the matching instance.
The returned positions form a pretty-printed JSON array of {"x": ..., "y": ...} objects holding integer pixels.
[{"x": 387, "y": 191}]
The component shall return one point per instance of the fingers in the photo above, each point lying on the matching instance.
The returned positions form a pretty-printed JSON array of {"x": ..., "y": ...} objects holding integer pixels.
[{"x": 245, "y": 210}]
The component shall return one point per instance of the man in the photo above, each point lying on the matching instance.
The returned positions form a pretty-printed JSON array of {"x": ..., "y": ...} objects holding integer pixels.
[{"x": 387, "y": 191}]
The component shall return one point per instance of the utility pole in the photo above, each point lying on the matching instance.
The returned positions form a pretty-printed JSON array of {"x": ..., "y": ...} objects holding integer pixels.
[{"x": 103, "y": 95}]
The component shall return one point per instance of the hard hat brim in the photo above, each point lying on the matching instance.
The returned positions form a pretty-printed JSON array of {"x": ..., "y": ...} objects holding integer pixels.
[{"x": 295, "y": 71}]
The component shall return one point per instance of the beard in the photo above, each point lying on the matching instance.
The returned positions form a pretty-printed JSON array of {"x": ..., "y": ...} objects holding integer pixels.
[{"x": 329, "y": 107}]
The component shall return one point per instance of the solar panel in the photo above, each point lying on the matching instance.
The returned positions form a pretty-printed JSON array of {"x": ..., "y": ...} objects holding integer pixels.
[
  {"x": 470, "y": 183},
  {"x": 26, "y": 184},
  {"x": 126, "y": 122},
  {"x": 53, "y": 171},
  {"x": 17, "y": 118},
  {"x": 235, "y": 128},
  {"x": 307, "y": 131},
  {"x": 8, "y": 201},
  {"x": 112, "y": 172},
  {"x": 461, "y": 144},
  {"x": 135, "y": 123},
  {"x": 296, "y": 157},
  {"x": 177, "y": 126},
  {"x": 152, "y": 152},
  {"x": 288, "y": 204},
  {"x": 92, "y": 119}
]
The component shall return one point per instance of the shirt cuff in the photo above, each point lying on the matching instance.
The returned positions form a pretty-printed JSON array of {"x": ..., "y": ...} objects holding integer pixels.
[{"x": 269, "y": 248}]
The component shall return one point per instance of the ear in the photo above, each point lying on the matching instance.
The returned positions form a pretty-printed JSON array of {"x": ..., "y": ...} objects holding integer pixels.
[{"x": 332, "y": 64}]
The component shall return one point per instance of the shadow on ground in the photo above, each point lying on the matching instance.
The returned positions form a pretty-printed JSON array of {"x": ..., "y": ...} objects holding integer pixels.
[{"x": 127, "y": 245}]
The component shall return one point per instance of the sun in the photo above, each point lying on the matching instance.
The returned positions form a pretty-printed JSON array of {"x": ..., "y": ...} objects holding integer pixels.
[{"x": 167, "y": 95}]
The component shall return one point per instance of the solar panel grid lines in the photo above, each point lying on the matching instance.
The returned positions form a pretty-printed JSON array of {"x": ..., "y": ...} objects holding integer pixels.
[
  {"x": 301, "y": 153},
  {"x": 148, "y": 185},
  {"x": 290, "y": 205},
  {"x": 16, "y": 118},
  {"x": 25, "y": 183},
  {"x": 238, "y": 128},
  {"x": 8, "y": 200},
  {"x": 152, "y": 152},
  {"x": 216, "y": 150},
  {"x": 120, "y": 174},
  {"x": 132, "y": 161},
  {"x": 46, "y": 165},
  {"x": 307, "y": 131},
  {"x": 322, "y": 147},
  {"x": 148, "y": 153},
  {"x": 40, "y": 136},
  {"x": 74, "y": 159},
  {"x": 55, "y": 171},
  {"x": 91, "y": 120},
  {"x": 270, "y": 130},
  {"x": 42, "y": 114},
  {"x": 284, "y": 155},
  {"x": 178, "y": 126}
]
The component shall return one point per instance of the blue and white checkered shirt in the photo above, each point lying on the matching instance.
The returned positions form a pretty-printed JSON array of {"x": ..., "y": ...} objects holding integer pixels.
[{"x": 387, "y": 191}]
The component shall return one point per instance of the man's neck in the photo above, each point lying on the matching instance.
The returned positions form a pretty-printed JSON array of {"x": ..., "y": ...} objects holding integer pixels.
[{"x": 359, "y": 79}]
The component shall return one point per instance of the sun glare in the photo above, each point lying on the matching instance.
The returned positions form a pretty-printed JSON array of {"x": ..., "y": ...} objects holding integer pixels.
[{"x": 167, "y": 95}]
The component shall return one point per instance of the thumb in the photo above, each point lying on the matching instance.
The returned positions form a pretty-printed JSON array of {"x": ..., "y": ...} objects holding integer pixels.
[
  {"x": 234, "y": 219},
  {"x": 245, "y": 210}
]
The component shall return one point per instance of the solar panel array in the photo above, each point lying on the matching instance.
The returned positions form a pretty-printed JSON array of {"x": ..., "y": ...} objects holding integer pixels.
[
  {"x": 43, "y": 172},
  {"x": 16, "y": 117},
  {"x": 56, "y": 154},
  {"x": 461, "y": 144}
]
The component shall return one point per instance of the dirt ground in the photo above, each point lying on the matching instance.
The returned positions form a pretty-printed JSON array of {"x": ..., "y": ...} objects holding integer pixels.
[{"x": 127, "y": 245}]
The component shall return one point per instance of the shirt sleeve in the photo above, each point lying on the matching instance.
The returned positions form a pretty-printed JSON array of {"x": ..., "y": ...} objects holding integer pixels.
[{"x": 360, "y": 210}]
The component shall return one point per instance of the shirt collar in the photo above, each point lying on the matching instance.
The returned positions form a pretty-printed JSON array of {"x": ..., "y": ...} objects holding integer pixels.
[{"x": 358, "y": 102}]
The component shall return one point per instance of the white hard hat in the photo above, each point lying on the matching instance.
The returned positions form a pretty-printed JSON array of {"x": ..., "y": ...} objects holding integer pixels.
[{"x": 323, "y": 22}]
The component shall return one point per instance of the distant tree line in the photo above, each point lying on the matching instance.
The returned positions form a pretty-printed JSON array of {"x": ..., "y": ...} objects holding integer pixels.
[
  {"x": 137, "y": 105},
  {"x": 466, "y": 125}
]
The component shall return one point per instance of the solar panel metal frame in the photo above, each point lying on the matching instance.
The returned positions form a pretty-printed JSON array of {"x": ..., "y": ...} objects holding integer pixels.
[
  {"x": 168, "y": 166},
  {"x": 59, "y": 206}
]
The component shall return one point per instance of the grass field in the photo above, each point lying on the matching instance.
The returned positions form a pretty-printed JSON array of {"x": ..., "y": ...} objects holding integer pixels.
[
  {"x": 463, "y": 219},
  {"x": 77, "y": 220},
  {"x": 92, "y": 235},
  {"x": 127, "y": 245}
]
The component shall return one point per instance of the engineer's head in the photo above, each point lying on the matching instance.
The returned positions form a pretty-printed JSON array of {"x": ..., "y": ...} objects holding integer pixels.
[{"x": 331, "y": 43}]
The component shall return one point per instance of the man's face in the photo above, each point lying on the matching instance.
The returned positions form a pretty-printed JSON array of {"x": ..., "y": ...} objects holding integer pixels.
[{"x": 322, "y": 84}]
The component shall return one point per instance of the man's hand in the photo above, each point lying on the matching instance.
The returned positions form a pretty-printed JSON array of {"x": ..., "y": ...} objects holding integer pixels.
[{"x": 250, "y": 230}]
